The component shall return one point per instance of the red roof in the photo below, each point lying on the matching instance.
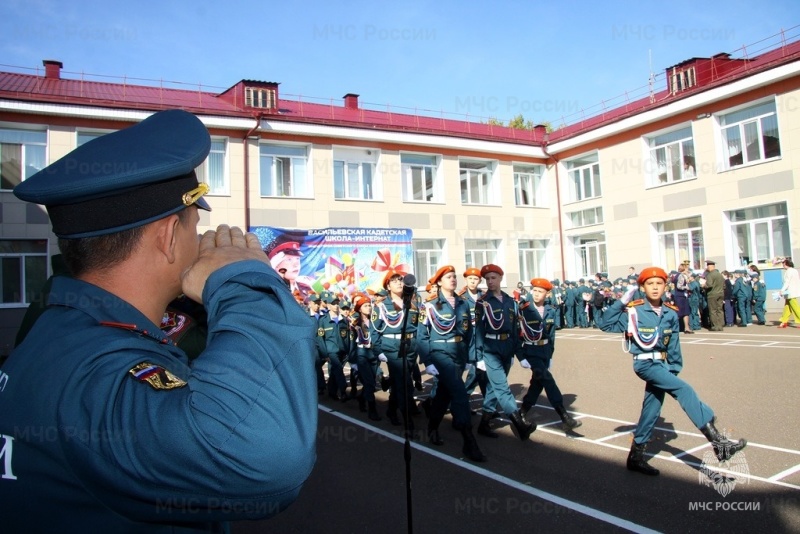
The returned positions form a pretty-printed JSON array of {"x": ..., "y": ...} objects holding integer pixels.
[{"x": 29, "y": 87}]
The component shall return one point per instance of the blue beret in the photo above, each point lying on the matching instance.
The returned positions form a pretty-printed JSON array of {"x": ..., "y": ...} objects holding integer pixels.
[{"x": 124, "y": 179}]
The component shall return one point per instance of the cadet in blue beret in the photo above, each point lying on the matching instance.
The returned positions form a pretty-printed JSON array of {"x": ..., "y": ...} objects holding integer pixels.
[{"x": 110, "y": 427}]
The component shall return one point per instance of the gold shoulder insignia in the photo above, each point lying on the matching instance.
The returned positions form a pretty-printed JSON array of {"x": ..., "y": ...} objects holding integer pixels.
[
  {"x": 156, "y": 376},
  {"x": 431, "y": 297},
  {"x": 671, "y": 306},
  {"x": 462, "y": 291},
  {"x": 637, "y": 302},
  {"x": 422, "y": 314}
]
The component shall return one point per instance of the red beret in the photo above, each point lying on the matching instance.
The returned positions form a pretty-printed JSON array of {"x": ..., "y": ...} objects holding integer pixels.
[
  {"x": 542, "y": 283},
  {"x": 472, "y": 271},
  {"x": 652, "y": 272},
  {"x": 491, "y": 268},
  {"x": 389, "y": 274},
  {"x": 440, "y": 273},
  {"x": 359, "y": 301}
]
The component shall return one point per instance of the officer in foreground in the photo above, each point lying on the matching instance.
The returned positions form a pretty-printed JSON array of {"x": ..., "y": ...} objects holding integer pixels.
[{"x": 105, "y": 425}]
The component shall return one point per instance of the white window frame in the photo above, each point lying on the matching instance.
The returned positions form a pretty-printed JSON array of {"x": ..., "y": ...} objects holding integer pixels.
[
  {"x": 476, "y": 178},
  {"x": 6, "y": 252},
  {"x": 590, "y": 254},
  {"x": 676, "y": 147},
  {"x": 680, "y": 240},
  {"x": 355, "y": 164},
  {"x": 587, "y": 217},
  {"x": 529, "y": 185},
  {"x": 532, "y": 259},
  {"x": 30, "y": 150},
  {"x": 761, "y": 231},
  {"x": 219, "y": 150},
  {"x": 412, "y": 171},
  {"x": 741, "y": 128},
  {"x": 259, "y": 97},
  {"x": 584, "y": 173},
  {"x": 277, "y": 159},
  {"x": 429, "y": 255},
  {"x": 480, "y": 252}
]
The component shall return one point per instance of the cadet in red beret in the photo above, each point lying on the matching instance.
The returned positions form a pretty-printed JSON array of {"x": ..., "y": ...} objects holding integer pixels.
[
  {"x": 363, "y": 359},
  {"x": 471, "y": 293},
  {"x": 652, "y": 333},
  {"x": 537, "y": 328},
  {"x": 496, "y": 327}
]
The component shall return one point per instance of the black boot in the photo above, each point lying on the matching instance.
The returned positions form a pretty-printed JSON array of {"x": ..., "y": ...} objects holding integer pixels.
[
  {"x": 385, "y": 383},
  {"x": 362, "y": 403},
  {"x": 434, "y": 438},
  {"x": 723, "y": 447},
  {"x": 392, "y": 415},
  {"x": 637, "y": 462},
  {"x": 484, "y": 428},
  {"x": 521, "y": 426},
  {"x": 470, "y": 448},
  {"x": 569, "y": 422},
  {"x": 526, "y": 407},
  {"x": 372, "y": 412}
]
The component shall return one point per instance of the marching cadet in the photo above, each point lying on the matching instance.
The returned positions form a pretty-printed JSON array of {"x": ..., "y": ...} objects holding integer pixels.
[
  {"x": 445, "y": 328},
  {"x": 387, "y": 319},
  {"x": 471, "y": 293},
  {"x": 583, "y": 295},
  {"x": 363, "y": 359},
  {"x": 140, "y": 439},
  {"x": 314, "y": 306},
  {"x": 569, "y": 304},
  {"x": 695, "y": 301},
  {"x": 334, "y": 333},
  {"x": 759, "y": 298},
  {"x": 652, "y": 331},
  {"x": 535, "y": 351},
  {"x": 496, "y": 330},
  {"x": 743, "y": 296}
]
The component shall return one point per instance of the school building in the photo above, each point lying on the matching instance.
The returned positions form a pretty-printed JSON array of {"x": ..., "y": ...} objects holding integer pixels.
[{"x": 699, "y": 166}]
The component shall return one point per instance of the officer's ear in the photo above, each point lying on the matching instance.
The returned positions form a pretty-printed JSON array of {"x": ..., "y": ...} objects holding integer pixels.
[{"x": 167, "y": 236}]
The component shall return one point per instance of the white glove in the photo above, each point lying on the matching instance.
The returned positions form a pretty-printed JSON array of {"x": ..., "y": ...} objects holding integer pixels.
[
  {"x": 626, "y": 298},
  {"x": 525, "y": 364},
  {"x": 431, "y": 370},
  {"x": 354, "y": 367},
  {"x": 481, "y": 365},
  {"x": 382, "y": 357}
]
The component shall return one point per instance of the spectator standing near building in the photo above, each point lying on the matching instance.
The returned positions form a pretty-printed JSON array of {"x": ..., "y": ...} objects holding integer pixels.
[
  {"x": 715, "y": 291},
  {"x": 791, "y": 293}
]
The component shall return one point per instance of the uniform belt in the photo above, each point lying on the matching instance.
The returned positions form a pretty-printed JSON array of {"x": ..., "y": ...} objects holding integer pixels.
[
  {"x": 651, "y": 356},
  {"x": 409, "y": 335},
  {"x": 540, "y": 342},
  {"x": 456, "y": 339},
  {"x": 500, "y": 337}
]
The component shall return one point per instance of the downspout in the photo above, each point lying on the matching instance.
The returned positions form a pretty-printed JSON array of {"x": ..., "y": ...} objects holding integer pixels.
[
  {"x": 252, "y": 130},
  {"x": 558, "y": 201}
]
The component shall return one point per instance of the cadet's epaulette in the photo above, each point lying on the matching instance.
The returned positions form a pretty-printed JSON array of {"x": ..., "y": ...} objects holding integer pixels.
[
  {"x": 671, "y": 306},
  {"x": 431, "y": 297},
  {"x": 461, "y": 293},
  {"x": 524, "y": 304},
  {"x": 637, "y": 302},
  {"x": 482, "y": 297}
]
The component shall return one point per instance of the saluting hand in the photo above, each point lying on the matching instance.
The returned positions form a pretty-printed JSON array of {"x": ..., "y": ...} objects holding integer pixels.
[{"x": 219, "y": 248}]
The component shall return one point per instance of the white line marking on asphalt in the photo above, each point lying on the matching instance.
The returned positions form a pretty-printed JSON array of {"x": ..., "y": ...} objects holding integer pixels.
[
  {"x": 786, "y": 473},
  {"x": 540, "y": 494}
]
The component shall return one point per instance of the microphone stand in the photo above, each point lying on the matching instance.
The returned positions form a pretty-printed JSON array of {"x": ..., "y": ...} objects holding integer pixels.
[{"x": 409, "y": 291}]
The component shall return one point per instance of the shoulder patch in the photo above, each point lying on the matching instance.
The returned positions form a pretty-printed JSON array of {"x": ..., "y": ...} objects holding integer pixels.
[
  {"x": 156, "y": 376},
  {"x": 637, "y": 302},
  {"x": 671, "y": 306}
]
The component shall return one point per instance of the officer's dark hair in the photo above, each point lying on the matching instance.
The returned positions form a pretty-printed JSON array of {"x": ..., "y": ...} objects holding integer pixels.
[
  {"x": 789, "y": 263},
  {"x": 88, "y": 254}
]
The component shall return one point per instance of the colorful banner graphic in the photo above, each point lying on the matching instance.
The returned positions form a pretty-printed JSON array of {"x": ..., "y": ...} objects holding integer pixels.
[{"x": 342, "y": 260}]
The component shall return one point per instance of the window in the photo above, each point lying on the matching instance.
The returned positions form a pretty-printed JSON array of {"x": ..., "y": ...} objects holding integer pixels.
[
  {"x": 760, "y": 234},
  {"x": 528, "y": 185},
  {"x": 427, "y": 257},
  {"x": 85, "y": 137},
  {"x": 590, "y": 254},
  {"x": 354, "y": 174},
  {"x": 213, "y": 170},
  {"x": 23, "y": 270},
  {"x": 750, "y": 134},
  {"x": 22, "y": 154},
  {"x": 420, "y": 181},
  {"x": 671, "y": 157},
  {"x": 681, "y": 240},
  {"x": 480, "y": 252},
  {"x": 284, "y": 171},
  {"x": 681, "y": 79},
  {"x": 476, "y": 182},
  {"x": 532, "y": 258},
  {"x": 586, "y": 217},
  {"x": 584, "y": 178},
  {"x": 259, "y": 98}
]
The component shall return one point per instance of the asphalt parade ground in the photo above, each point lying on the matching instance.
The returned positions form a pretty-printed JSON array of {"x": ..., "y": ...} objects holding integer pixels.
[{"x": 577, "y": 482}]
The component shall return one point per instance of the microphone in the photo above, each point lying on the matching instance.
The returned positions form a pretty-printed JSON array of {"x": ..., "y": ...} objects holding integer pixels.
[{"x": 409, "y": 287}]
